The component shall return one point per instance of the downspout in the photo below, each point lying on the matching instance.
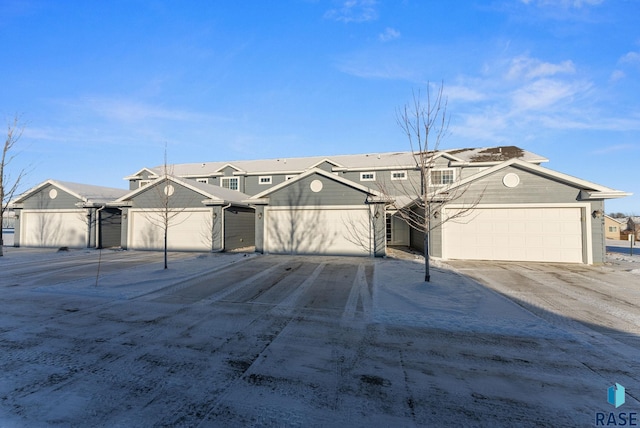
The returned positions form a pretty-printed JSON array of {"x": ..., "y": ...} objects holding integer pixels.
[{"x": 99, "y": 226}]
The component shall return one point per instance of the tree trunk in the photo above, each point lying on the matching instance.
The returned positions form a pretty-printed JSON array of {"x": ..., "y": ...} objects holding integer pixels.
[
  {"x": 165, "y": 248},
  {"x": 1, "y": 245},
  {"x": 427, "y": 275}
]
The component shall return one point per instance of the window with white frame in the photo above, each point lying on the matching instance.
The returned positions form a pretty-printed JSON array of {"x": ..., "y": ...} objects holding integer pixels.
[
  {"x": 442, "y": 177},
  {"x": 264, "y": 179},
  {"x": 398, "y": 175},
  {"x": 230, "y": 183},
  {"x": 368, "y": 176},
  {"x": 613, "y": 229},
  {"x": 143, "y": 183},
  {"x": 202, "y": 180}
]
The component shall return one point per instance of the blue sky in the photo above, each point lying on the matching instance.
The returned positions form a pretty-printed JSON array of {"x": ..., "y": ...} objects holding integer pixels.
[{"x": 102, "y": 85}]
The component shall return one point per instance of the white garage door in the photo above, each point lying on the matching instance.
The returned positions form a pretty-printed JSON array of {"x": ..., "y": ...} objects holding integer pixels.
[
  {"x": 189, "y": 230},
  {"x": 517, "y": 234},
  {"x": 336, "y": 231},
  {"x": 44, "y": 228}
]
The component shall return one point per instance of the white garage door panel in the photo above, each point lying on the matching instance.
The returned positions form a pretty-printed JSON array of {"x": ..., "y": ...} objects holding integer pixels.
[
  {"x": 317, "y": 231},
  {"x": 54, "y": 229},
  {"x": 517, "y": 234},
  {"x": 188, "y": 230}
]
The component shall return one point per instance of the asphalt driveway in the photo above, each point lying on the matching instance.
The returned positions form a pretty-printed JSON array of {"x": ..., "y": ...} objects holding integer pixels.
[
  {"x": 248, "y": 340},
  {"x": 577, "y": 297}
]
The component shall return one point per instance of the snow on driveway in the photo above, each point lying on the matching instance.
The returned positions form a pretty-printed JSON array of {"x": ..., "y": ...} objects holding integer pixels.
[{"x": 255, "y": 340}]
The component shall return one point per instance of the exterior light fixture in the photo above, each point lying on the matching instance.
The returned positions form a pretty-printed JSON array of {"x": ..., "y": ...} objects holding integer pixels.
[{"x": 597, "y": 214}]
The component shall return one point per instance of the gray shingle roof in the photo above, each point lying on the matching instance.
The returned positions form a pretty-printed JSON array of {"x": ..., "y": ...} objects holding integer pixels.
[{"x": 366, "y": 160}]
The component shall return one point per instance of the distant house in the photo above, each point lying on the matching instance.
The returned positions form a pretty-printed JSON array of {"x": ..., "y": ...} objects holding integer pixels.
[
  {"x": 613, "y": 227},
  {"x": 632, "y": 227},
  {"x": 64, "y": 214}
]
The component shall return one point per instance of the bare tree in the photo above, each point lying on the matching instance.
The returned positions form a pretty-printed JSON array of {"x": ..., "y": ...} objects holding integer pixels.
[
  {"x": 426, "y": 123},
  {"x": 167, "y": 213},
  {"x": 9, "y": 185}
]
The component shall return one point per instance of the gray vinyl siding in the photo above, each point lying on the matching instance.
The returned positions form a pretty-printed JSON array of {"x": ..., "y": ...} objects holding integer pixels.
[
  {"x": 598, "y": 233},
  {"x": 533, "y": 188},
  {"x": 416, "y": 238},
  {"x": 253, "y": 187},
  {"x": 42, "y": 201},
  {"x": 332, "y": 193},
  {"x": 110, "y": 226},
  {"x": 124, "y": 229},
  {"x": 216, "y": 233},
  {"x": 228, "y": 173},
  {"x": 154, "y": 197},
  {"x": 259, "y": 228},
  {"x": 383, "y": 182},
  {"x": 239, "y": 228},
  {"x": 326, "y": 166},
  {"x": 135, "y": 184}
]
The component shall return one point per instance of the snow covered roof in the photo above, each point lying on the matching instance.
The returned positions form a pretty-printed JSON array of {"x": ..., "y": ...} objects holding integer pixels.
[
  {"x": 388, "y": 160},
  {"x": 86, "y": 192}
]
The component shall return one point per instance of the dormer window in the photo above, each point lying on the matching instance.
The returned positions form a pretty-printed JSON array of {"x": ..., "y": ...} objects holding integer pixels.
[
  {"x": 265, "y": 179},
  {"x": 230, "y": 183},
  {"x": 442, "y": 177}
]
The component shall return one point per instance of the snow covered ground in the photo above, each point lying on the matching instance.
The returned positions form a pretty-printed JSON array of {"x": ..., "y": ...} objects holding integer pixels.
[{"x": 254, "y": 340}]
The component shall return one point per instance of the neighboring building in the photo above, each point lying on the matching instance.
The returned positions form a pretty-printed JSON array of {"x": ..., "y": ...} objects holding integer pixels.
[
  {"x": 632, "y": 227},
  {"x": 64, "y": 214},
  {"x": 613, "y": 227},
  {"x": 9, "y": 218}
]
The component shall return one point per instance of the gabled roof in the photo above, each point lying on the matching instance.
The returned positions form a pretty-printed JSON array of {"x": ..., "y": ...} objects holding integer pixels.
[
  {"x": 85, "y": 192},
  {"x": 617, "y": 220},
  {"x": 152, "y": 173},
  {"x": 209, "y": 192},
  {"x": 357, "y": 186},
  {"x": 588, "y": 191}
]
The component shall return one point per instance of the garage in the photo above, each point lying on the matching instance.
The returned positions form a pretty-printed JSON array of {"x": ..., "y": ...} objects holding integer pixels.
[
  {"x": 189, "y": 230},
  {"x": 539, "y": 234},
  {"x": 47, "y": 228},
  {"x": 319, "y": 212},
  {"x": 201, "y": 217},
  {"x": 298, "y": 230},
  {"x": 64, "y": 214}
]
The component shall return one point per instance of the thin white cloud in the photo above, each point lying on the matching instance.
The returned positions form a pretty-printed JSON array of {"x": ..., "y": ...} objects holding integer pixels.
[
  {"x": 354, "y": 11},
  {"x": 464, "y": 93},
  {"x": 545, "y": 93},
  {"x": 389, "y": 34},
  {"x": 129, "y": 110},
  {"x": 630, "y": 58},
  {"x": 531, "y": 68},
  {"x": 615, "y": 149},
  {"x": 617, "y": 75},
  {"x": 564, "y": 3}
]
